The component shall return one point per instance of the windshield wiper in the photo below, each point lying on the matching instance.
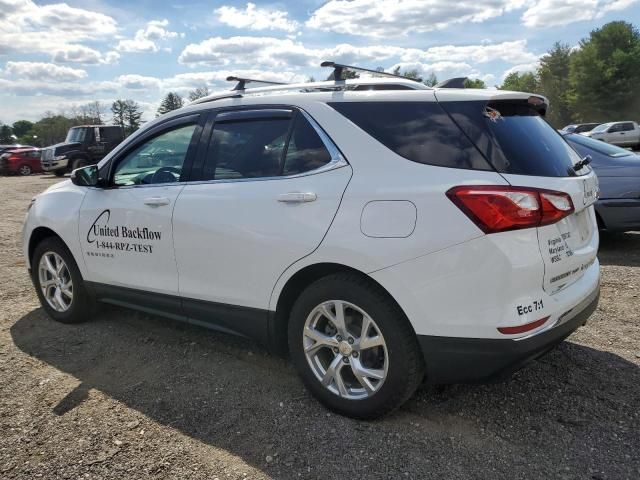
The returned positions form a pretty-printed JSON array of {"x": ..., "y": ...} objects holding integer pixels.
[{"x": 582, "y": 163}]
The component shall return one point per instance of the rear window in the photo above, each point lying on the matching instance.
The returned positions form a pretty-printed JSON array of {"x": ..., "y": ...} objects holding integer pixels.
[
  {"x": 514, "y": 138},
  {"x": 418, "y": 131}
]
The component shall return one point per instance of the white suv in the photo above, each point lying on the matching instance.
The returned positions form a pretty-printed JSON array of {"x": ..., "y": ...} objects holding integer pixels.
[{"x": 378, "y": 231}]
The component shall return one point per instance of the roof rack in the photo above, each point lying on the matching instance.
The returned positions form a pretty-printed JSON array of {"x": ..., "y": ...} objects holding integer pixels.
[
  {"x": 243, "y": 81},
  {"x": 457, "y": 82},
  {"x": 338, "y": 68}
]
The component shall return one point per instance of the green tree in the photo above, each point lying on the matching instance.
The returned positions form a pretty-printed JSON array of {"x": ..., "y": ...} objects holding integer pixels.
[
  {"x": 431, "y": 80},
  {"x": 133, "y": 114},
  {"x": 172, "y": 101},
  {"x": 474, "y": 83},
  {"x": 119, "y": 111},
  {"x": 5, "y": 135},
  {"x": 521, "y": 82},
  {"x": 52, "y": 128},
  {"x": 126, "y": 115},
  {"x": 553, "y": 83},
  {"x": 21, "y": 127},
  {"x": 605, "y": 74},
  {"x": 197, "y": 93}
]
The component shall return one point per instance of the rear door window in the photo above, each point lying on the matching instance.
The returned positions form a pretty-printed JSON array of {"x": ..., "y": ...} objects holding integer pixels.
[
  {"x": 305, "y": 150},
  {"x": 418, "y": 131},
  {"x": 514, "y": 138},
  {"x": 246, "y": 149},
  {"x": 257, "y": 144}
]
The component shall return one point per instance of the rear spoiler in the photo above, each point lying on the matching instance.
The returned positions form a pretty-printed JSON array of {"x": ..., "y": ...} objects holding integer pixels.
[{"x": 537, "y": 102}]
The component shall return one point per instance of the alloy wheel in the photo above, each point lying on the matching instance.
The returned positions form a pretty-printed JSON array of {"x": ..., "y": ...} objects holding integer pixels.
[
  {"x": 55, "y": 281},
  {"x": 345, "y": 349}
]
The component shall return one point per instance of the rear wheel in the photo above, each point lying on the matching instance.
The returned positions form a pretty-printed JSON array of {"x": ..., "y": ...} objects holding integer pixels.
[
  {"x": 353, "y": 347},
  {"x": 25, "y": 170},
  {"x": 58, "y": 282}
]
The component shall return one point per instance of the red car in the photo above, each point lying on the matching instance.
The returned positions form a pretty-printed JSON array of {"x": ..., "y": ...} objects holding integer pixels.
[{"x": 20, "y": 161}]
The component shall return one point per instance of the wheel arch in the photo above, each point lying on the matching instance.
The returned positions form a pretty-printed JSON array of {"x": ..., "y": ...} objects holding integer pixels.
[
  {"x": 37, "y": 236},
  {"x": 294, "y": 286}
]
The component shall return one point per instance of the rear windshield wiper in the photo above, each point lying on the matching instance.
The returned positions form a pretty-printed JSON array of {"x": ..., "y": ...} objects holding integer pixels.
[{"x": 582, "y": 163}]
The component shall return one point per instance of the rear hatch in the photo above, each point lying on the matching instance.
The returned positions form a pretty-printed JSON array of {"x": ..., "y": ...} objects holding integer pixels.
[{"x": 509, "y": 130}]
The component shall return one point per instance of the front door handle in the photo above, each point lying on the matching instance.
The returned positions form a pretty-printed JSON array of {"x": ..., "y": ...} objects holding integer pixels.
[
  {"x": 297, "y": 197},
  {"x": 157, "y": 201}
]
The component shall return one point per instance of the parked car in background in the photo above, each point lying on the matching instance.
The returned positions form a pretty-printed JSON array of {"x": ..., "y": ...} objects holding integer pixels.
[
  {"x": 20, "y": 161},
  {"x": 580, "y": 127},
  {"x": 84, "y": 145},
  {"x": 623, "y": 134},
  {"x": 6, "y": 148},
  {"x": 618, "y": 170}
]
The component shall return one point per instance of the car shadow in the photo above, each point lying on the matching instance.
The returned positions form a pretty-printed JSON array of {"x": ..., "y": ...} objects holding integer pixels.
[
  {"x": 621, "y": 249},
  {"x": 229, "y": 393}
]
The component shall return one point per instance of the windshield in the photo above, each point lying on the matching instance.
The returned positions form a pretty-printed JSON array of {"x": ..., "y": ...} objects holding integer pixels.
[
  {"x": 599, "y": 146},
  {"x": 76, "y": 135},
  {"x": 601, "y": 128}
]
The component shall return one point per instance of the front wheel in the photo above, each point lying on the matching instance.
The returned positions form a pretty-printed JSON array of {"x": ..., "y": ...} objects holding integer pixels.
[
  {"x": 353, "y": 347},
  {"x": 25, "y": 170},
  {"x": 58, "y": 282}
]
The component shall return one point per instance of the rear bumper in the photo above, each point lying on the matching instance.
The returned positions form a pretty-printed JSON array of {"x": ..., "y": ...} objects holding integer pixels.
[
  {"x": 619, "y": 214},
  {"x": 471, "y": 360}
]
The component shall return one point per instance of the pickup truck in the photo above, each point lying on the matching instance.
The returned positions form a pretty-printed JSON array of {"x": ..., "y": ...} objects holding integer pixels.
[{"x": 623, "y": 134}]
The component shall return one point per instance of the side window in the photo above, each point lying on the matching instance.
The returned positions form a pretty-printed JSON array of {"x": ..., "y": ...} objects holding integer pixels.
[
  {"x": 249, "y": 148},
  {"x": 627, "y": 127},
  {"x": 418, "y": 131},
  {"x": 305, "y": 151},
  {"x": 110, "y": 135},
  {"x": 158, "y": 160},
  {"x": 615, "y": 128}
]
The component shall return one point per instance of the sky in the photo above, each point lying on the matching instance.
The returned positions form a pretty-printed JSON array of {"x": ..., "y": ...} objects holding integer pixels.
[{"x": 56, "y": 56}]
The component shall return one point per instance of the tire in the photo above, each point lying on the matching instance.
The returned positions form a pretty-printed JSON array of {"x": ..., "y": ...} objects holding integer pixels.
[
  {"x": 59, "y": 173},
  {"x": 80, "y": 303},
  {"x": 25, "y": 170},
  {"x": 77, "y": 163},
  {"x": 360, "y": 298}
]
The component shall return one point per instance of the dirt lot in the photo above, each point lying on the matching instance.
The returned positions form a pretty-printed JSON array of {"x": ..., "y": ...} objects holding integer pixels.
[{"x": 132, "y": 396}]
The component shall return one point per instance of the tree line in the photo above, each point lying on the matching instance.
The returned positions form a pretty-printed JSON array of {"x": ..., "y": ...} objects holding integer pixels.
[
  {"x": 53, "y": 127},
  {"x": 597, "y": 81}
]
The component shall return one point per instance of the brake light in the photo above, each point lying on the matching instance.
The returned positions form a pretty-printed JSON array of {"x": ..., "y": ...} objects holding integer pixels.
[{"x": 501, "y": 208}]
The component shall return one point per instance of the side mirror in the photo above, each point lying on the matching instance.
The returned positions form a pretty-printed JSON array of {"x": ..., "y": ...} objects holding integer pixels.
[{"x": 85, "y": 176}]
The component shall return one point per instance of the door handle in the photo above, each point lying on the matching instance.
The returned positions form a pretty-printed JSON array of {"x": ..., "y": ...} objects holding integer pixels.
[
  {"x": 156, "y": 201},
  {"x": 297, "y": 197}
]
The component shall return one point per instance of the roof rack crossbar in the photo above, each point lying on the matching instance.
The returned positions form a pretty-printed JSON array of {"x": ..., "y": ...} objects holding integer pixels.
[
  {"x": 242, "y": 82},
  {"x": 338, "y": 68}
]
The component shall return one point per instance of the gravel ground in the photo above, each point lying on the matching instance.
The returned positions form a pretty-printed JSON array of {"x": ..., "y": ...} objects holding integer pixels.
[{"x": 128, "y": 395}]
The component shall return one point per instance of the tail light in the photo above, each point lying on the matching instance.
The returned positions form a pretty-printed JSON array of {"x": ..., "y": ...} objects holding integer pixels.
[{"x": 501, "y": 208}]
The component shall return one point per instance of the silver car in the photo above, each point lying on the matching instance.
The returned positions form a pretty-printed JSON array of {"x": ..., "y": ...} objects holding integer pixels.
[{"x": 623, "y": 134}]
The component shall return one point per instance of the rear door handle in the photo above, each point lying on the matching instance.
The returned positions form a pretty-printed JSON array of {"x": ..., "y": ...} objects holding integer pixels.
[
  {"x": 156, "y": 201},
  {"x": 297, "y": 197}
]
